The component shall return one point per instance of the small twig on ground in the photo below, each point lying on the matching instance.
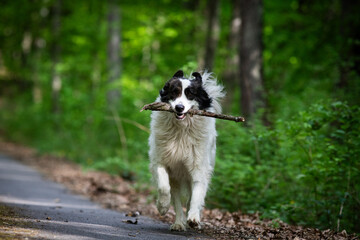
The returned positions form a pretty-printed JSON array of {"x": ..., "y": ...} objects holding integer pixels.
[{"x": 161, "y": 106}]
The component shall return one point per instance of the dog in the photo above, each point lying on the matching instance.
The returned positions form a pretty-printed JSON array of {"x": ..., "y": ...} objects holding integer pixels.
[{"x": 182, "y": 147}]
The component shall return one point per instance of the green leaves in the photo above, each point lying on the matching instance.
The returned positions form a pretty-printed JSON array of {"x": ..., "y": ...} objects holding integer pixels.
[
  {"x": 299, "y": 171},
  {"x": 300, "y": 168}
]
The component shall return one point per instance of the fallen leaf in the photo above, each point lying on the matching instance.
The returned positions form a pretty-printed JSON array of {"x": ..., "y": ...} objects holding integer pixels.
[
  {"x": 130, "y": 221},
  {"x": 133, "y": 214}
]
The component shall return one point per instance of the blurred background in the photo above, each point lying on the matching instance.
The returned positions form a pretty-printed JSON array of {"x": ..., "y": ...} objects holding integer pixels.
[{"x": 74, "y": 75}]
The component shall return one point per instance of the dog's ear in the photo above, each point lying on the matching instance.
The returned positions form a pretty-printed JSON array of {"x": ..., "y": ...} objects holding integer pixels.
[
  {"x": 179, "y": 74},
  {"x": 197, "y": 77}
]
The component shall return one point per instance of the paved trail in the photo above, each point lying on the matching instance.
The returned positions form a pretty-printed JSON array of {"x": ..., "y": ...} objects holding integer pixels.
[{"x": 54, "y": 213}]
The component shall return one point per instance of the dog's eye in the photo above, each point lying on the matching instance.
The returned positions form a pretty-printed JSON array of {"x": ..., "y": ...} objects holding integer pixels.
[
  {"x": 176, "y": 91},
  {"x": 190, "y": 94}
]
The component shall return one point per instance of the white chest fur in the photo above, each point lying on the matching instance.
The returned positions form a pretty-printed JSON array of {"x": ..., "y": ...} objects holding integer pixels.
[{"x": 182, "y": 142}]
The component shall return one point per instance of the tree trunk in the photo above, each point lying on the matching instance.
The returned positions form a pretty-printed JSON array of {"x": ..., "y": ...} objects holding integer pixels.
[
  {"x": 36, "y": 90},
  {"x": 113, "y": 54},
  {"x": 251, "y": 78},
  {"x": 212, "y": 35},
  {"x": 55, "y": 55},
  {"x": 350, "y": 49},
  {"x": 231, "y": 75}
]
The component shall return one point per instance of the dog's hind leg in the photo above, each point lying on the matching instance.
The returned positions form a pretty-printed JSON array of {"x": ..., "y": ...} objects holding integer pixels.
[
  {"x": 163, "y": 185},
  {"x": 180, "y": 223}
]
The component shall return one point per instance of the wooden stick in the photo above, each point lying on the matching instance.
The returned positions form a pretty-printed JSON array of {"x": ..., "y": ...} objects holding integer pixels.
[{"x": 161, "y": 106}]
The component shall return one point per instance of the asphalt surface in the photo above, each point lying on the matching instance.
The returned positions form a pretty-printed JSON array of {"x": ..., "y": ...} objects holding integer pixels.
[{"x": 55, "y": 213}]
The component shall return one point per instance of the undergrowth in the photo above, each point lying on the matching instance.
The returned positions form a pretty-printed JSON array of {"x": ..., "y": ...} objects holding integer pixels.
[{"x": 302, "y": 170}]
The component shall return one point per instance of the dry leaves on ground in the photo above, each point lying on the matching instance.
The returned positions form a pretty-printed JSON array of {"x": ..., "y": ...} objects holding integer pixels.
[{"x": 116, "y": 193}]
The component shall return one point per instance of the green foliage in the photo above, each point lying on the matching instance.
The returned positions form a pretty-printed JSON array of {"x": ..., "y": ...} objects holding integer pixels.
[
  {"x": 302, "y": 168},
  {"x": 302, "y": 171}
]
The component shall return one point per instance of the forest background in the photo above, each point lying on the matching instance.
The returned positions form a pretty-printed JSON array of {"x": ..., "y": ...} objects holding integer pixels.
[{"x": 74, "y": 75}]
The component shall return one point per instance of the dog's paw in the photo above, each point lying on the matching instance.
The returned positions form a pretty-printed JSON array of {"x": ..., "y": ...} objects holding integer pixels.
[
  {"x": 194, "y": 223},
  {"x": 163, "y": 202},
  {"x": 178, "y": 227},
  {"x": 162, "y": 209},
  {"x": 193, "y": 220}
]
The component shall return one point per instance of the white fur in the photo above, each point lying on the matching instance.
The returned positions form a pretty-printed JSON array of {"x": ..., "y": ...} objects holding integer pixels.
[
  {"x": 182, "y": 156},
  {"x": 183, "y": 100}
]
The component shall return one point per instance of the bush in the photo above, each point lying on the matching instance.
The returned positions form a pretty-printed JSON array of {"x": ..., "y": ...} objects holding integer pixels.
[{"x": 302, "y": 171}]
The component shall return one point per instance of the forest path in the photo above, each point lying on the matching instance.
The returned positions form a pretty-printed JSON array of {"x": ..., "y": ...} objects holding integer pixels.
[{"x": 33, "y": 207}]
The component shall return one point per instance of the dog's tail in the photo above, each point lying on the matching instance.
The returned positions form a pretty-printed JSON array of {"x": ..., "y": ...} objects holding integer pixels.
[{"x": 214, "y": 89}]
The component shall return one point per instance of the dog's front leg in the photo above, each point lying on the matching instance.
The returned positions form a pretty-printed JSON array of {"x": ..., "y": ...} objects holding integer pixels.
[
  {"x": 164, "y": 197},
  {"x": 180, "y": 222},
  {"x": 199, "y": 187}
]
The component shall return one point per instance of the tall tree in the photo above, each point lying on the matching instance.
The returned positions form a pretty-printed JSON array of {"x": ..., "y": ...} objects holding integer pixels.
[
  {"x": 231, "y": 72},
  {"x": 212, "y": 35},
  {"x": 349, "y": 23},
  {"x": 39, "y": 21},
  {"x": 251, "y": 77},
  {"x": 56, "y": 81},
  {"x": 113, "y": 51}
]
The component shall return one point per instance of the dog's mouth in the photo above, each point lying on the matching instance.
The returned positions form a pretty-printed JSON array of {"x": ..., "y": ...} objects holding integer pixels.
[{"x": 180, "y": 116}]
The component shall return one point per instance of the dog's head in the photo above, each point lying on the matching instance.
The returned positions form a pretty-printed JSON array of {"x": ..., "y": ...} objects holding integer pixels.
[{"x": 184, "y": 94}]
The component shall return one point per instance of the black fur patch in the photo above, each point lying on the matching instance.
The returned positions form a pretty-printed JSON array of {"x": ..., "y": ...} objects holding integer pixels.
[
  {"x": 196, "y": 92},
  {"x": 173, "y": 90}
]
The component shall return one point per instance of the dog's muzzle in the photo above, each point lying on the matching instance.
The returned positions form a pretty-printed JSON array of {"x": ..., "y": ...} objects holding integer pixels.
[
  {"x": 180, "y": 116},
  {"x": 179, "y": 108}
]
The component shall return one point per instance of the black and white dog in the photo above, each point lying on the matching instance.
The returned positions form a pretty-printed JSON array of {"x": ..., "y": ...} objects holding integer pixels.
[{"x": 182, "y": 147}]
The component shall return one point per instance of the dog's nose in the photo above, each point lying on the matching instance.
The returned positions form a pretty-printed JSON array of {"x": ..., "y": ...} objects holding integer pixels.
[{"x": 179, "y": 108}]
